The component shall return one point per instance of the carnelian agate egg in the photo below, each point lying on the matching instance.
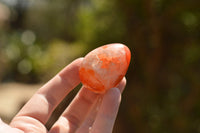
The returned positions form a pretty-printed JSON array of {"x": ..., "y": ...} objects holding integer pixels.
[{"x": 104, "y": 67}]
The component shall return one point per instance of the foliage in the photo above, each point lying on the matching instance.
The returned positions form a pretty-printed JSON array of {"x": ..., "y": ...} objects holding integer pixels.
[{"x": 162, "y": 93}]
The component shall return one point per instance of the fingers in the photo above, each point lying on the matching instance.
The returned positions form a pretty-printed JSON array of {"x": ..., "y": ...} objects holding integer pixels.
[
  {"x": 75, "y": 114},
  {"x": 122, "y": 85},
  {"x": 107, "y": 113},
  {"x": 87, "y": 125},
  {"x": 4, "y": 128},
  {"x": 81, "y": 113},
  {"x": 42, "y": 104},
  {"x": 90, "y": 118}
]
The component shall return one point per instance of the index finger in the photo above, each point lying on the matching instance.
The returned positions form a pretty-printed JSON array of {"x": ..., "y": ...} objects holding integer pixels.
[{"x": 45, "y": 100}]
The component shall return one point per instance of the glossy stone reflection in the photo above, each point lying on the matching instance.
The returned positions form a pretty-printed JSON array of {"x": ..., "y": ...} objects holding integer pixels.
[{"x": 104, "y": 67}]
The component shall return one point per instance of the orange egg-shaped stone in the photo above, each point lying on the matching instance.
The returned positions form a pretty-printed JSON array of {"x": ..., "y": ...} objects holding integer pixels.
[{"x": 104, "y": 67}]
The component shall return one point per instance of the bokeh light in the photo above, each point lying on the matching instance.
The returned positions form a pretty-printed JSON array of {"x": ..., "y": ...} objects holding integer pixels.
[{"x": 38, "y": 38}]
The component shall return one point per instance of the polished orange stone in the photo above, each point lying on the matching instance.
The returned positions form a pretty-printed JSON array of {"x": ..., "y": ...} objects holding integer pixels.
[{"x": 104, "y": 67}]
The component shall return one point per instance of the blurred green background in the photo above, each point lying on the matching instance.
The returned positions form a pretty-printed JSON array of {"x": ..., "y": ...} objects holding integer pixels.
[{"x": 40, "y": 37}]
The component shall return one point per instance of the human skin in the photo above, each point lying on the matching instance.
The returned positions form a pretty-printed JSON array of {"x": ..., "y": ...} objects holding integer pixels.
[{"x": 88, "y": 112}]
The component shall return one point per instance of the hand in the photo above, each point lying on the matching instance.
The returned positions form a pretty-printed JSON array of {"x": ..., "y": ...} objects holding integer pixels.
[{"x": 88, "y": 112}]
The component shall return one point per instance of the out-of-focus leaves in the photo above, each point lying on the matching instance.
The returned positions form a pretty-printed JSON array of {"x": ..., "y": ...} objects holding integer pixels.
[
  {"x": 56, "y": 56},
  {"x": 162, "y": 93},
  {"x": 101, "y": 22}
]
